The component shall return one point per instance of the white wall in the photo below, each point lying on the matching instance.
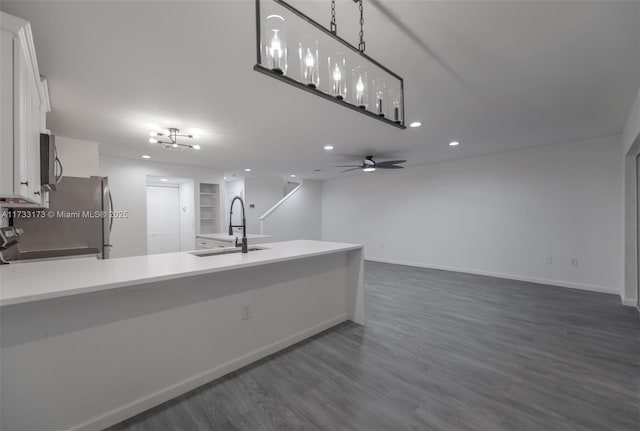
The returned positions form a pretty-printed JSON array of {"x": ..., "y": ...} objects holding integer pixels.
[
  {"x": 499, "y": 214},
  {"x": 263, "y": 193},
  {"x": 128, "y": 182},
  {"x": 300, "y": 216},
  {"x": 187, "y": 216},
  {"x": 79, "y": 158}
]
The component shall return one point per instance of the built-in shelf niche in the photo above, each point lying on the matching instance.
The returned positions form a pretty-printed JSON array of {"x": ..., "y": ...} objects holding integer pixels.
[{"x": 209, "y": 200}]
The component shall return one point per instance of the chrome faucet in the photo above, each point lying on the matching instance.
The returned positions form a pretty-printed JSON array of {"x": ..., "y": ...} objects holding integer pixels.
[{"x": 243, "y": 225}]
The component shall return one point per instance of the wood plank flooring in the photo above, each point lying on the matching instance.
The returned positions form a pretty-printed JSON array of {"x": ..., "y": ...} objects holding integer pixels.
[{"x": 441, "y": 351}]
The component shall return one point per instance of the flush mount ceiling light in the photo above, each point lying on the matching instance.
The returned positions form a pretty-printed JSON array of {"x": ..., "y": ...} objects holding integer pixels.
[
  {"x": 247, "y": 169},
  {"x": 415, "y": 124},
  {"x": 169, "y": 139},
  {"x": 454, "y": 143},
  {"x": 328, "y": 66},
  {"x": 144, "y": 156},
  {"x": 328, "y": 147}
]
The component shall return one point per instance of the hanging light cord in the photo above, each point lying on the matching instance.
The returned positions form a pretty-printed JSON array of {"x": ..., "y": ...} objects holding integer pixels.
[
  {"x": 334, "y": 27},
  {"x": 361, "y": 46}
]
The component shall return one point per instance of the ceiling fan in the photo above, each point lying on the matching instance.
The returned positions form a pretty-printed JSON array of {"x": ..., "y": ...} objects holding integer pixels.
[{"x": 369, "y": 165}]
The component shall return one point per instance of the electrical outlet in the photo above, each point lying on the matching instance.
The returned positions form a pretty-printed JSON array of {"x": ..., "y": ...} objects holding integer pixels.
[
  {"x": 246, "y": 312},
  {"x": 574, "y": 261},
  {"x": 548, "y": 260}
]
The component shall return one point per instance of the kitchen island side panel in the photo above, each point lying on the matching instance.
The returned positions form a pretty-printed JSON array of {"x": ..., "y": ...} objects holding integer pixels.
[{"x": 90, "y": 361}]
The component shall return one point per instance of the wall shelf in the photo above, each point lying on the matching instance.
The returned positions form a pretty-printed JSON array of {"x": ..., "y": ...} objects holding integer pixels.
[{"x": 208, "y": 208}]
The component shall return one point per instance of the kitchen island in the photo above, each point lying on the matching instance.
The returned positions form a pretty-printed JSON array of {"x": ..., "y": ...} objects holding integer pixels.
[{"x": 86, "y": 343}]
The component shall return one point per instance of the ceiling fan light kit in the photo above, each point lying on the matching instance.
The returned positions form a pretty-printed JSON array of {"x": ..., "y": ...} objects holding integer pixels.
[{"x": 329, "y": 66}]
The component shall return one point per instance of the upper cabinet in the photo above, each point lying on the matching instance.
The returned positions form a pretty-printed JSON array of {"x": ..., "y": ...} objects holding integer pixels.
[{"x": 24, "y": 104}]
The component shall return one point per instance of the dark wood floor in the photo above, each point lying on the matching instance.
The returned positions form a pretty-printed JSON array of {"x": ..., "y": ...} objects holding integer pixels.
[{"x": 441, "y": 351}]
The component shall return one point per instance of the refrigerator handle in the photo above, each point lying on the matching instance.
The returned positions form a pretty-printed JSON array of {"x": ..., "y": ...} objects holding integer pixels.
[
  {"x": 110, "y": 210},
  {"x": 59, "y": 176},
  {"x": 106, "y": 229}
]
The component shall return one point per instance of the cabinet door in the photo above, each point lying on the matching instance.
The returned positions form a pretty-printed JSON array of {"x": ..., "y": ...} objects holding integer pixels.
[
  {"x": 34, "y": 145},
  {"x": 23, "y": 183},
  {"x": 6, "y": 107}
]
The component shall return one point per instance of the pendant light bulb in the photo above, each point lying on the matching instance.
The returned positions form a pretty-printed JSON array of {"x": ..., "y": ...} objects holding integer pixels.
[
  {"x": 337, "y": 68},
  {"x": 309, "y": 60},
  {"x": 276, "y": 47},
  {"x": 308, "y": 56},
  {"x": 337, "y": 75},
  {"x": 360, "y": 87}
]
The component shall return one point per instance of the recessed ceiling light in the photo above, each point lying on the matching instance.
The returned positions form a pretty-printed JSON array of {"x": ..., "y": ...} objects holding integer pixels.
[
  {"x": 144, "y": 156},
  {"x": 164, "y": 180},
  {"x": 454, "y": 143},
  {"x": 415, "y": 124},
  {"x": 292, "y": 175},
  {"x": 153, "y": 140},
  {"x": 247, "y": 170},
  {"x": 196, "y": 147},
  {"x": 328, "y": 147}
]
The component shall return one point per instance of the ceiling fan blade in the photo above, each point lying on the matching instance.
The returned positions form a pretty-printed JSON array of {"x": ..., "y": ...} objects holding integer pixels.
[
  {"x": 347, "y": 166},
  {"x": 390, "y": 162},
  {"x": 389, "y": 166},
  {"x": 352, "y": 169}
]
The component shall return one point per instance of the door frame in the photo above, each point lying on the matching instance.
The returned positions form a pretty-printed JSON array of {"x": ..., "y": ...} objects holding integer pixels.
[
  {"x": 638, "y": 227},
  {"x": 630, "y": 294}
]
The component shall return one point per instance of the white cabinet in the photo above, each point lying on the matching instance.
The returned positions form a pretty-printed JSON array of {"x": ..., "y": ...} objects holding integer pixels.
[{"x": 23, "y": 102}]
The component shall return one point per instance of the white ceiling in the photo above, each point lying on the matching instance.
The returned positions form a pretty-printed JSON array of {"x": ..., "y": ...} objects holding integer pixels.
[{"x": 495, "y": 75}]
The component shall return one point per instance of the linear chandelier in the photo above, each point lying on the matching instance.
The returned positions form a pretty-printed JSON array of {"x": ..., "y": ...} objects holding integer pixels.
[
  {"x": 329, "y": 66},
  {"x": 172, "y": 135}
]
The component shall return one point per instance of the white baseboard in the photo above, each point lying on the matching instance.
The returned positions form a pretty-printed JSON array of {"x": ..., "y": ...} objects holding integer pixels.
[
  {"x": 629, "y": 302},
  {"x": 142, "y": 404},
  {"x": 571, "y": 285}
]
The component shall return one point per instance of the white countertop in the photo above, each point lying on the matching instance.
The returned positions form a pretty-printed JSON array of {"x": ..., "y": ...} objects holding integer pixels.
[
  {"x": 55, "y": 279},
  {"x": 224, "y": 236}
]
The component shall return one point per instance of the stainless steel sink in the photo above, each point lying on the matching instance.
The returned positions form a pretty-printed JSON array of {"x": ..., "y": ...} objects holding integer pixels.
[{"x": 221, "y": 251}]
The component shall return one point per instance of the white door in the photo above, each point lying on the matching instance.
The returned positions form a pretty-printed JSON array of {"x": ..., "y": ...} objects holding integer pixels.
[{"x": 163, "y": 219}]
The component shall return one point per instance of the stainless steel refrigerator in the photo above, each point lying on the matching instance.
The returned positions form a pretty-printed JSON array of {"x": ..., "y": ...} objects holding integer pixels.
[{"x": 77, "y": 223}]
